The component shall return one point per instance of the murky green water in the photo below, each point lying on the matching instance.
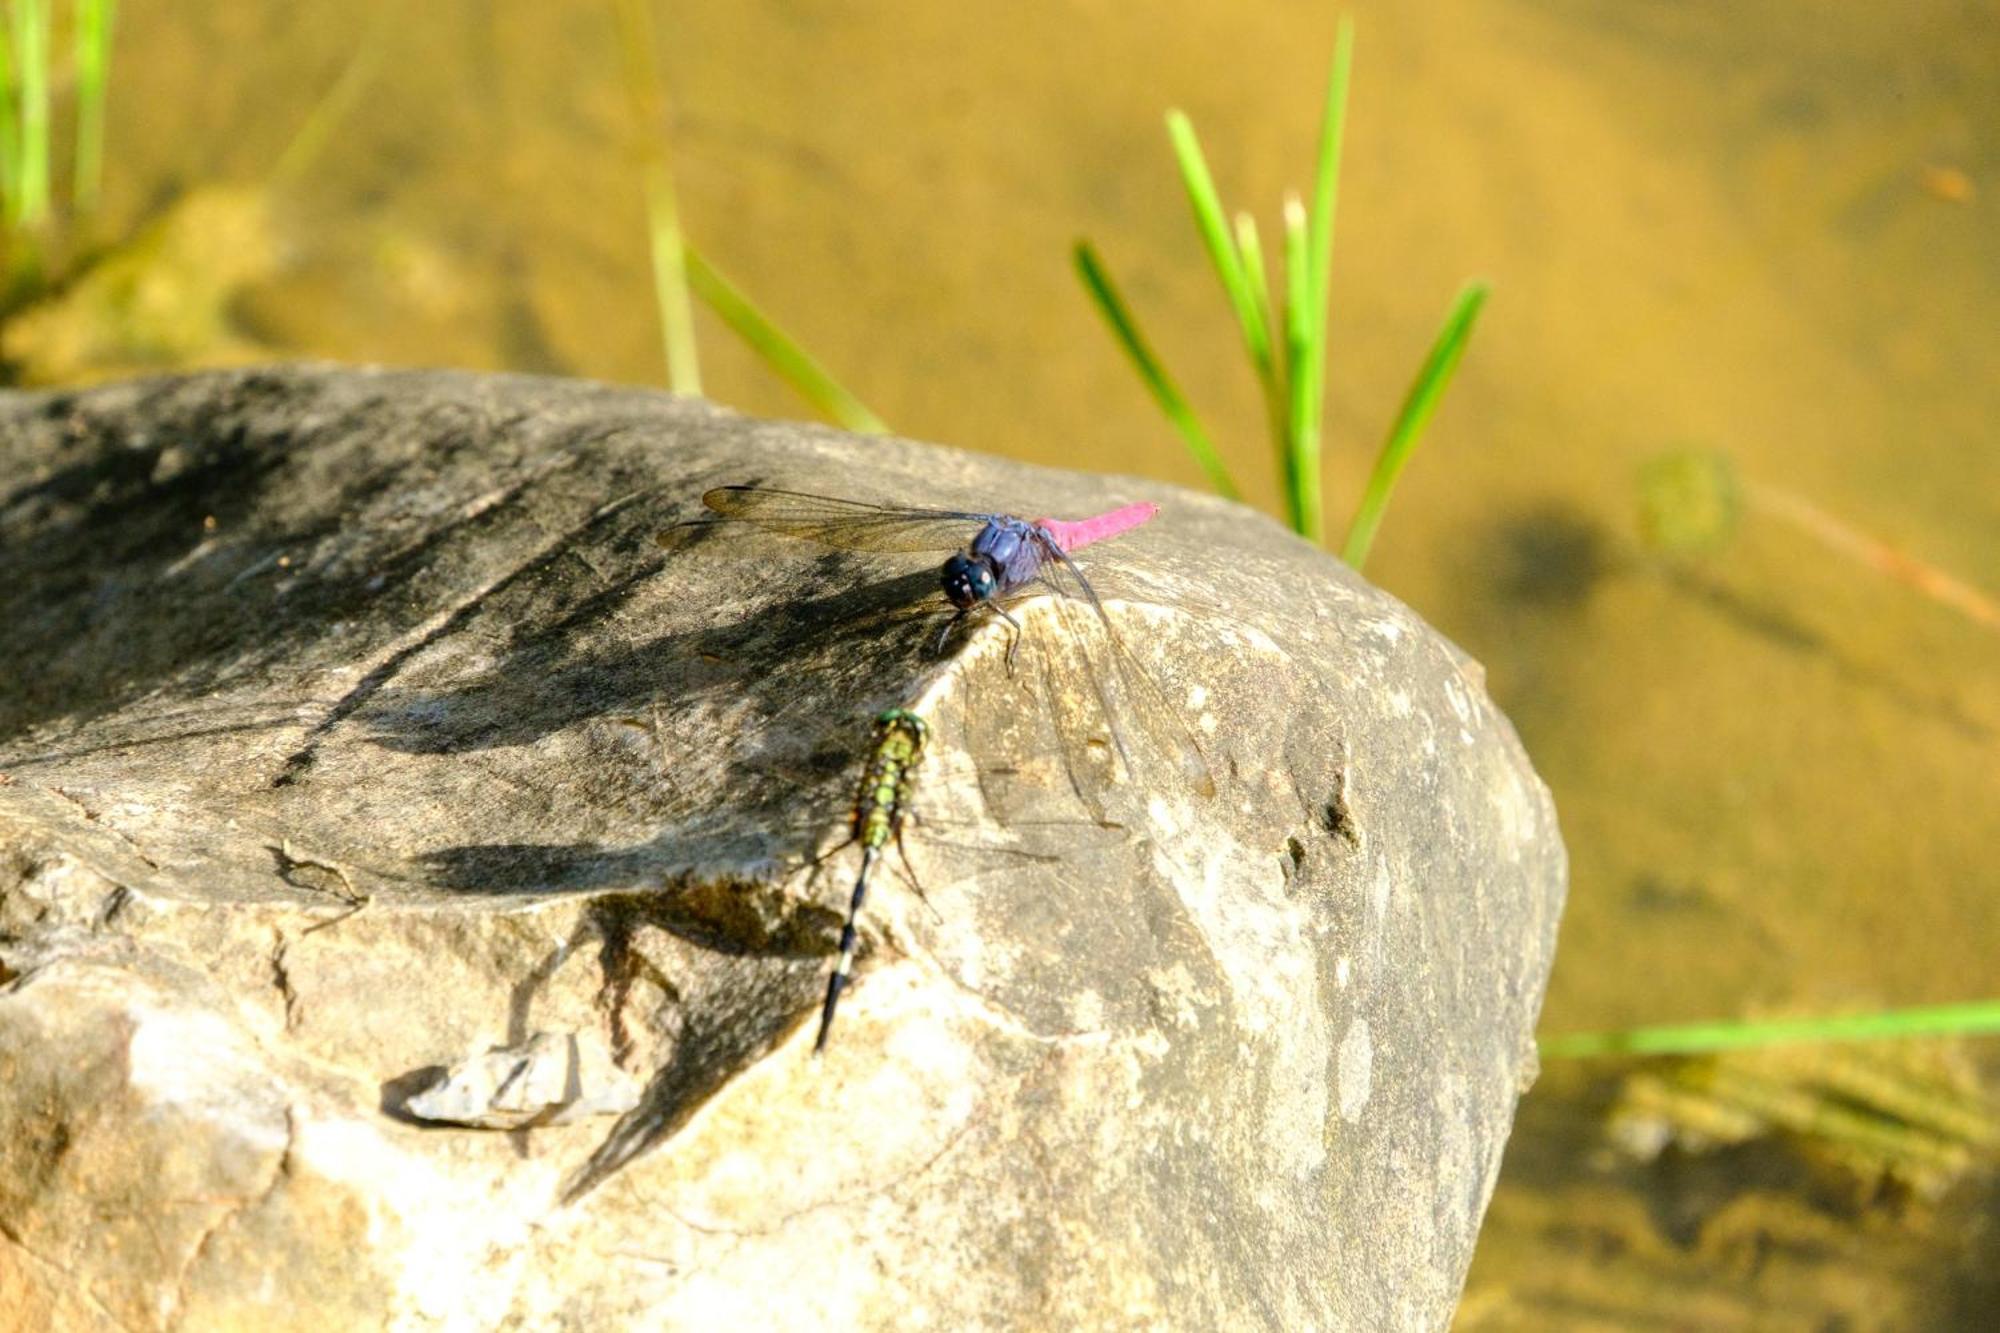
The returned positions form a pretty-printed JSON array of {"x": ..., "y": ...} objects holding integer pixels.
[{"x": 1759, "y": 230}]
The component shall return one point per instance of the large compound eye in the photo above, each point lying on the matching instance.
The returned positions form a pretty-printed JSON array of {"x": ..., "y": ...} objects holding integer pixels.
[{"x": 967, "y": 581}]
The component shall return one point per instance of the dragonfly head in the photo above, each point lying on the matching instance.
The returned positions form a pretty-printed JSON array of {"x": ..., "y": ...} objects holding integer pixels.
[
  {"x": 969, "y": 580},
  {"x": 890, "y": 721}
]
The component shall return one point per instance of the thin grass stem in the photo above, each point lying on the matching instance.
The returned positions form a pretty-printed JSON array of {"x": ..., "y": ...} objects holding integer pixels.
[
  {"x": 797, "y": 367},
  {"x": 1326, "y": 176},
  {"x": 1979, "y": 1017},
  {"x": 1250, "y": 250},
  {"x": 10, "y": 121},
  {"x": 1097, "y": 281},
  {"x": 1307, "y": 381},
  {"x": 671, "y": 281},
  {"x": 1874, "y": 554},
  {"x": 327, "y": 115},
  {"x": 646, "y": 87},
  {"x": 95, "y": 20},
  {"x": 1302, "y": 456},
  {"x": 1425, "y": 392},
  {"x": 1213, "y": 224},
  {"x": 29, "y": 202}
]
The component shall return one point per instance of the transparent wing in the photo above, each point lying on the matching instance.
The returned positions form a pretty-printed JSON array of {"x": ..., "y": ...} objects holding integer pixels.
[
  {"x": 1148, "y": 732},
  {"x": 849, "y": 524}
]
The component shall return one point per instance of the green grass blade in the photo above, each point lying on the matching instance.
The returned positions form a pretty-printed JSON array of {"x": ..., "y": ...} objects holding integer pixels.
[
  {"x": 1306, "y": 304},
  {"x": 646, "y": 89},
  {"x": 29, "y": 203},
  {"x": 1301, "y": 469},
  {"x": 94, "y": 22},
  {"x": 784, "y": 356},
  {"x": 671, "y": 279},
  {"x": 1213, "y": 224},
  {"x": 1097, "y": 281},
  {"x": 10, "y": 126},
  {"x": 1425, "y": 393},
  {"x": 1250, "y": 251},
  {"x": 1979, "y": 1017},
  {"x": 1326, "y": 177}
]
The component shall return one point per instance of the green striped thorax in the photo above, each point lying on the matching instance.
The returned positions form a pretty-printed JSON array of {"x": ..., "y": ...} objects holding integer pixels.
[{"x": 886, "y": 782}]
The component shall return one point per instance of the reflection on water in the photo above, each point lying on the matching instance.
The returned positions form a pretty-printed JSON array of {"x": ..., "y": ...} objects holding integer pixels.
[{"x": 1770, "y": 235}]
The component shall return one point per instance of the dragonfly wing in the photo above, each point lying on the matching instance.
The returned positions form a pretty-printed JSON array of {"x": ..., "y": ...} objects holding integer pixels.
[
  {"x": 849, "y": 524},
  {"x": 1145, "y": 725}
]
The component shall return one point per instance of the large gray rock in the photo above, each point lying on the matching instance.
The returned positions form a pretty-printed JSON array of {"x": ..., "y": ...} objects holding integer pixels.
[{"x": 408, "y": 914}]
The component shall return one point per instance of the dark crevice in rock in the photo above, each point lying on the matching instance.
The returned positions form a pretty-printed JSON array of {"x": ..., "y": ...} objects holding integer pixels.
[{"x": 1337, "y": 815}]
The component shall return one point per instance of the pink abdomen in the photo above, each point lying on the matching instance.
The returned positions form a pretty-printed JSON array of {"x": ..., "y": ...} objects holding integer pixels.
[{"x": 1075, "y": 536}]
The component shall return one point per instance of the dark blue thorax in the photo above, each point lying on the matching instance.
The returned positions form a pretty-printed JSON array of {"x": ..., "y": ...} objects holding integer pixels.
[
  {"x": 1004, "y": 556},
  {"x": 1014, "y": 552}
]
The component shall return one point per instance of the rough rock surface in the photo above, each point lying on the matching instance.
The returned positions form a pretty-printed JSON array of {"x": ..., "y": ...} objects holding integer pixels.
[{"x": 357, "y": 729}]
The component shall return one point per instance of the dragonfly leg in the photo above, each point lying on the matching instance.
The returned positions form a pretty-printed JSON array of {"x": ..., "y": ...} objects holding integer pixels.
[
  {"x": 945, "y": 633},
  {"x": 910, "y": 872},
  {"x": 1014, "y": 644},
  {"x": 818, "y": 862},
  {"x": 1013, "y": 647}
]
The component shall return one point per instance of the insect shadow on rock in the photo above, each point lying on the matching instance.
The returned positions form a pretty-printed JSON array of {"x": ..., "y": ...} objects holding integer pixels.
[{"x": 996, "y": 561}]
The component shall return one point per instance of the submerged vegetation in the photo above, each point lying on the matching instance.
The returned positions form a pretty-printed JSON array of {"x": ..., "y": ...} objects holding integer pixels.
[
  {"x": 166, "y": 294},
  {"x": 1912, "y": 1115},
  {"x": 1694, "y": 502}
]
